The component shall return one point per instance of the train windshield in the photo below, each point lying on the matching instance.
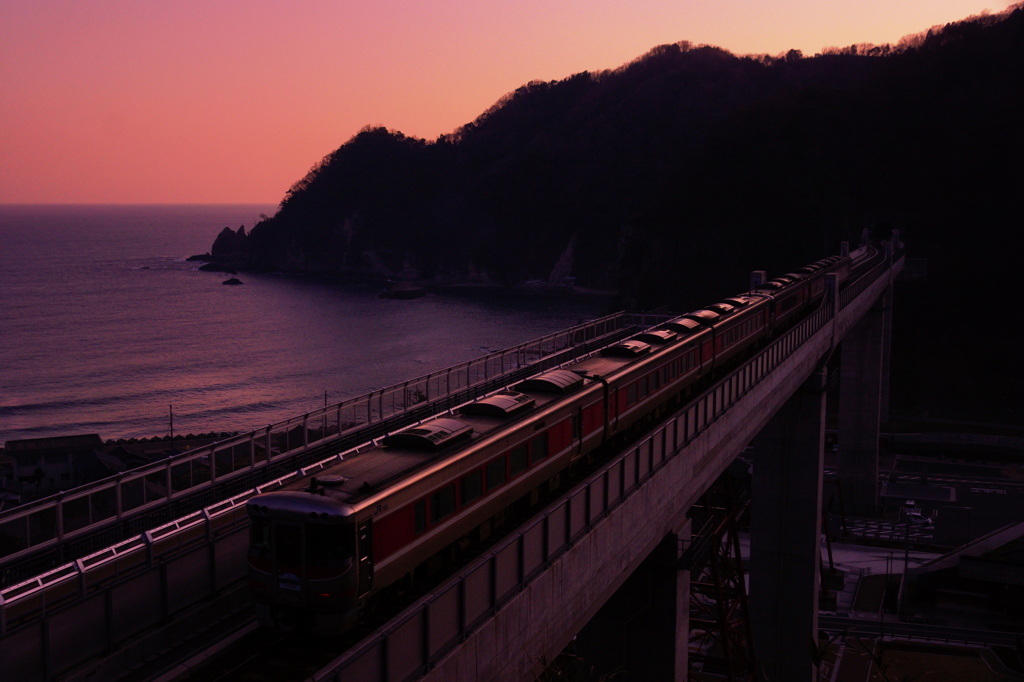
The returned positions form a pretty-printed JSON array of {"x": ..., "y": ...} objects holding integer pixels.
[
  {"x": 259, "y": 533},
  {"x": 293, "y": 545},
  {"x": 329, "y": 546},
  {"x": 288, "y": 541}
]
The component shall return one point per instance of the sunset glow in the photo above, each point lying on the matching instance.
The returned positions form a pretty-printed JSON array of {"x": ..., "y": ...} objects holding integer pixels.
[{"x": 117, "y": 101}]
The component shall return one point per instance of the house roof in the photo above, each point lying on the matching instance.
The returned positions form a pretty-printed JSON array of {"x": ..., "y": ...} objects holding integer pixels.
[{"x": 54, "y": 444}]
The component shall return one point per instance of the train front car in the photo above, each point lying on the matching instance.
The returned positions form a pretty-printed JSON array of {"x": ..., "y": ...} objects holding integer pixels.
[{"x": 303, "y": 564}]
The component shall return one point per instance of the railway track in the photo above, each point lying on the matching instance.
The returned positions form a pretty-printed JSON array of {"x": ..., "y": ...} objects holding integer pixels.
[{"x": 261, "y": 655}]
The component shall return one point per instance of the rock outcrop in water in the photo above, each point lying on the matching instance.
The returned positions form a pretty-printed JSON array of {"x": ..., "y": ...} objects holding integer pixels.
[{"x": 230, "y": 246}]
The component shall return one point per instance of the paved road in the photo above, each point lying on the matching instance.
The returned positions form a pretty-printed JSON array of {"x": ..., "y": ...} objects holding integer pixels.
[{"x": 963, "y": 499}]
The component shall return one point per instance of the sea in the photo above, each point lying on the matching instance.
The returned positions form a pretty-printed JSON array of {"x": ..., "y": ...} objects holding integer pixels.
[{"x": 106, "y": 328}]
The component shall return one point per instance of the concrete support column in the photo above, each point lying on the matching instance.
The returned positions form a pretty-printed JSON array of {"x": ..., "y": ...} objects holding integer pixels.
[
  {"x": 679, "y": 584},
  {"x": 643, "y": 629},
  {"x": 862, "y": 380},
  {"x": 785, "y": 535},
  {"x": 886, "y": 302}
]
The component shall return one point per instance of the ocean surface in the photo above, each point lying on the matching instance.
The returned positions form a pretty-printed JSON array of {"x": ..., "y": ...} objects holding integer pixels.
[{"x": 104, "y": 326}]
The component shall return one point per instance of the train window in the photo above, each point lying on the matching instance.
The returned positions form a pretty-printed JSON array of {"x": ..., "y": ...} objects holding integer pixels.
[
  {"x": 327, "y": 545},
  {"x": 642, "y": 388},
  {"x": 539, "y": 445},
  {"x": 472, "y": 485},
  {"x": 442, "y": 503},
  {"x": 576, "y": 426},
  {"x": 288, "y": 541},
  {"x": 518, "y": 460},
  {"x": 419, "y": 517},
  {"x": 495, "y": 472},
  {"x": 259, "y": 533},
  {"x": 631, "y": 395}
]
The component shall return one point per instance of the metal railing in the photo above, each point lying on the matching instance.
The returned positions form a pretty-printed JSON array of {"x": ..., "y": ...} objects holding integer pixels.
[{"x": 34, "y": 526}]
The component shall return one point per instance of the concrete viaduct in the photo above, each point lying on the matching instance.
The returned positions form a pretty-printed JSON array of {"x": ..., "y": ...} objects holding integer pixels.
[{"x": 622, "y": 532}]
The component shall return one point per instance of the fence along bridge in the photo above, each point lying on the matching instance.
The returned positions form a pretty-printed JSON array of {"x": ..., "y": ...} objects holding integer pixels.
[
  {"x": 502, "y": 616},
  {"x": 57, "y": 530}
]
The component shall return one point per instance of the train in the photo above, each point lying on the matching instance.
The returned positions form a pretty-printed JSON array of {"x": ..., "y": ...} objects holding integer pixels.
[{"x": 326, "y": 547}]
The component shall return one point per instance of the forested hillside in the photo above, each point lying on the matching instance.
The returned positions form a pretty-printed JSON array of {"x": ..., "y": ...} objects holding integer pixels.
[{"x": 670, "y": 178}]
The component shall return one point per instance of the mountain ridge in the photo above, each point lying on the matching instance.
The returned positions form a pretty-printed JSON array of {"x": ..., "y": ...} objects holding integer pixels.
[
  {"x": 672, "y": 177},
  {"x": 665, "y": 151}
]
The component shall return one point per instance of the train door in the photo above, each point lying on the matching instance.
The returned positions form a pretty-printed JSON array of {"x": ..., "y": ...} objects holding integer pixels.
[
  {"x": 611, "y": 409},
  {"x": 364, "y": 550},
  {"x": 707, "y": 352},
  {"x": 576, "y": 433}
]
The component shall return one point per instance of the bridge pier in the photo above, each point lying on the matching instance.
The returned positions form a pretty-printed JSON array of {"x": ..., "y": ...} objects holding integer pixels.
[
  {"x": 643, "y": 629},
  {"x": 863, "y": 395},
  {"x": 785, "y": 534}
]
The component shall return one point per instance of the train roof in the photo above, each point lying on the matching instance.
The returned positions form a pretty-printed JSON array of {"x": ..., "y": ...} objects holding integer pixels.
[
  {"x": 626, "y": 349},
  {"x": 432, "y": 435},
  {"x": 501, "y": 404},
  {"x": 658, "y": 336},
  {"x": 682, "y": 325},
  {"x": 353, "y": 478},
  {"x": 299, "y": 505},
  {"x": 350, "y": 479},
  {"x": 555, "y": 381},
  {"x": 704, "y": 316},
  {"x": 722, "y": 308}
]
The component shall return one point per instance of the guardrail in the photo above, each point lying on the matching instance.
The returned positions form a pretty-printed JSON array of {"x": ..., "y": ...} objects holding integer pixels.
[
  {"x": 53, "y": 623},
  {"x": 34, "y": 526}
]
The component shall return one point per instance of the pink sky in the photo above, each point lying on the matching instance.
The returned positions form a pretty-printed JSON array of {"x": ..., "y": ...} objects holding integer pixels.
[{"x": 128, "y": 101}]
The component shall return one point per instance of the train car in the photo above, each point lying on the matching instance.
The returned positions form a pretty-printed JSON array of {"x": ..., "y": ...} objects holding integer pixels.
[
  {"x": 322, "y": 547},
  {"x": 329, "y": 543},
  {"x": 793, "y": 293}
]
